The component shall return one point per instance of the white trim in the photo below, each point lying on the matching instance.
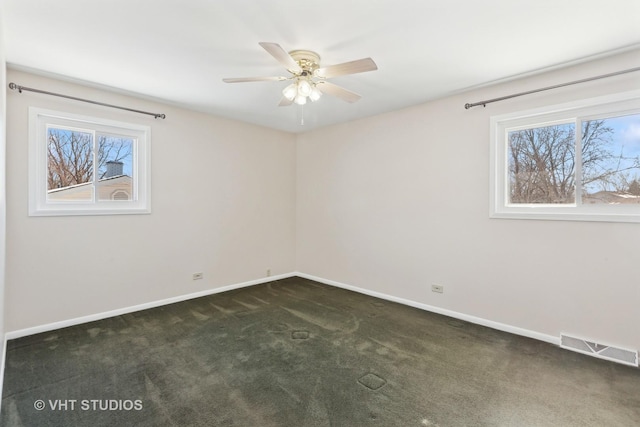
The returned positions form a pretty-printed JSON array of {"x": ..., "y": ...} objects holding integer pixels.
[
  {"x": 467, "y": 318},
  {"x": 104, "y": 315}
]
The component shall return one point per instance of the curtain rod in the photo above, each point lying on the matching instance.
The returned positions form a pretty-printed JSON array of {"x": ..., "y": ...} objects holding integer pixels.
[
  {"x": 19, "y": 88},
  {"x": 502, "y": 98}
]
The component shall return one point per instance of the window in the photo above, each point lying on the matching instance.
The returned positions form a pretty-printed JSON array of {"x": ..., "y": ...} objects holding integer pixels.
[
  {"x": 87, "y": 166},
  {"x": 578, "y": 161}
]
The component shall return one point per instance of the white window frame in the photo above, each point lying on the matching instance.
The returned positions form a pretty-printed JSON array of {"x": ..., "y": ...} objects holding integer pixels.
[
  {"x": 601, "y": 107},
  {"x": 39, "y": 205}
]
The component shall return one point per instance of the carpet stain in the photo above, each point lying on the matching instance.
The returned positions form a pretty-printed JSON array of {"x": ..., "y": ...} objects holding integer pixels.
[
  {"x": 356, "y": 325},
  {"x": 300, "y": 335},
  {"x": 383, "y": 351},
  {"x": 278, "y": 327},
  {"x": 291, "y": 394},
  {"x": 251, "y": 412},
  {"x": 154, "y": 393},
  {"x": 83, "y": 350},
  {"x": 175, "y": 319},
  {"x": 260, "y": 300},
  {"x": 94, "y": 332},
  {"x": 364, "y": 345},
  {"x": 246, "y": 304},
  {"x": 249, "y": 326},
  {"x": 456, "y": 323},
  {"x": 140, "y": 341},
  {"x": 331, "y": 321},
  {"x": 12, "y": 415},
  {"x": 222, "y": 309},
  {"x": 316, "y": 320},
  {"x": 199, "y": 316},
  {"x": 397, "y": 350},
  {"x": 317, "y": 413},
  {"x": 243, "y": 357}
]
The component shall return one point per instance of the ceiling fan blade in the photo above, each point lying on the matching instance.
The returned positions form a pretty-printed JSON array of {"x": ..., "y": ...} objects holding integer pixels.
[
  {"x": 282, "y": 56},
  {"x": 352, "y": 67},
  {"x": 254, "y": 79},
  {"x": 338, "y": 91},
  {"x": 285, "y": 102}
]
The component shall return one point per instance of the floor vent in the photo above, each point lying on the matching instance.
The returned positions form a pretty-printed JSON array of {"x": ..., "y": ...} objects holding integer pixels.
[{"x": 602, "y": 351}]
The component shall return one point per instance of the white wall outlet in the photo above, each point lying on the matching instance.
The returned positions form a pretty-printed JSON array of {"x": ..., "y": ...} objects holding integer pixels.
[
  {"x": 197, "y": 276},
  {"x": 268, "y": 272},
  {"x": 437, "y": 288}
]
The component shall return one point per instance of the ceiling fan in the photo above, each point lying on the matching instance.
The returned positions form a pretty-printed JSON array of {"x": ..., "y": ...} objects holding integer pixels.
[{"x": 309, "y": 80}]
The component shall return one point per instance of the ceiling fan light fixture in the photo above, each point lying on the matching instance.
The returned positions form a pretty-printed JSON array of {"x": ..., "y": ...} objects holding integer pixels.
[
  {"x": 290, "y": 92},
  {"x": 304, "y": 88},
  {"x": 315, "y": 94},
  {"x": 300, "y": 99}
]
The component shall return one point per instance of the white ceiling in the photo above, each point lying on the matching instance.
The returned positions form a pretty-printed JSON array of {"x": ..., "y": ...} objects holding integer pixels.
[{"x": 178, "y": 51}]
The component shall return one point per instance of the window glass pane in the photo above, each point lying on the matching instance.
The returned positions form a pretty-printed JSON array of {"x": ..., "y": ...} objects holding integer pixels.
[
  {"x": 115, "y": 170},
  {"x": 69, "y": 164},
  {"x": 542, "y": 165},
  {"x": 610, "y": 160}
]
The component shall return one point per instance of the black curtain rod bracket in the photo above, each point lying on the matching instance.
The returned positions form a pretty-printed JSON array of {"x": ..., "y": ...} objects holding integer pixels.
[{"x": 19, "y": 88}]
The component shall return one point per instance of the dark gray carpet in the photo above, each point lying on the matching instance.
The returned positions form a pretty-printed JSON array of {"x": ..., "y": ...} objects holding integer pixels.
[{"x": 298, "y": 353}]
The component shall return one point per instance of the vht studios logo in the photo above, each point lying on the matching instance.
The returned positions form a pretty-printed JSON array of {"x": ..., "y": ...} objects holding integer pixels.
[{"x": 88, "y": 405}]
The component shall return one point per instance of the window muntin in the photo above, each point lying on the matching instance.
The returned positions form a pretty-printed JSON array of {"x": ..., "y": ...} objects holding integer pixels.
[
  {"x": 578, "y": 161},
  {"x": 87, "y": 166}
]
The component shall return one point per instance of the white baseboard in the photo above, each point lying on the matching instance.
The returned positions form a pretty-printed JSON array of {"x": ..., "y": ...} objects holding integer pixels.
[
  {"x": 104, "y": 315},
  {"x": 99, "y": 316},
  {"x": 467, "y": 318}
]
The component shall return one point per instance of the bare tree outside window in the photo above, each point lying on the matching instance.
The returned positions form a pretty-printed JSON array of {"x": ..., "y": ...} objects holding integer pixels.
[
  {"x": 542, "y": 162},
  {"x": 612, "y": 171},
  {"x": 80, "y": 168},
  {"x": 114, "y": 149},
  {"x": 70, "y": 158}
]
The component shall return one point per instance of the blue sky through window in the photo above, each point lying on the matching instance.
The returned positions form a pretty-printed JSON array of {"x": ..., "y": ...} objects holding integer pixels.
[{"x": 624, "y": 150}]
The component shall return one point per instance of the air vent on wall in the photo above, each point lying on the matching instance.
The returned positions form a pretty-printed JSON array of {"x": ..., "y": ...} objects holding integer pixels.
[{"x": 602, "y": 351}]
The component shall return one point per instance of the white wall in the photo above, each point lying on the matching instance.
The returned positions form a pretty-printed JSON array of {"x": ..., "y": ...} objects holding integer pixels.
[
  {"x": 223, "y": 203},
  {"x": 390, "y": 204},
  {"x": 397, "y": 202},
  {"x": 3, "y": 204}
]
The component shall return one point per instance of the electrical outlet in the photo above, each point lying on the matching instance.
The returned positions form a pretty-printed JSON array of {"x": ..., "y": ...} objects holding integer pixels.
[
  {"x": 197, "y": 276},
  {"x": 437, "y": 288},
  {"x": 268, "y": 272}
]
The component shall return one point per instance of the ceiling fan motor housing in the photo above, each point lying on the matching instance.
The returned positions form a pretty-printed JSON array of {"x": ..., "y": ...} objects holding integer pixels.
[{"x": 307, "y": 60}]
